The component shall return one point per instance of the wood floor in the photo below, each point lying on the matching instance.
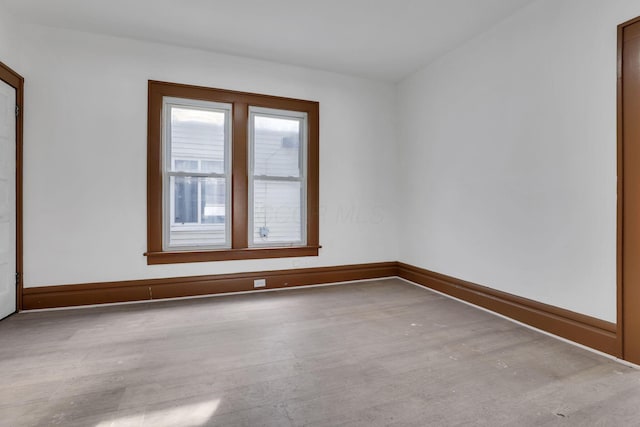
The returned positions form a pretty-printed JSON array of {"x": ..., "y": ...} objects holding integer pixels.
[{"x": 363, "y": 354}]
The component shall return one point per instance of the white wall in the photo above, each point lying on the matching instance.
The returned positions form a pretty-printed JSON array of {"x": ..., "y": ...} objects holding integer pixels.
[
  {"x": 9, "y": 40},
  {"x": 85, "y": 156},
  {"x": 509, "y": 157}
]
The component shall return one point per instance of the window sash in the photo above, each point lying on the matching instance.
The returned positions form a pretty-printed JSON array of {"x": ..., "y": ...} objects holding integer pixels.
[
  {"x": 302, "y": 118},
  {"x": 169, "y": 172}
]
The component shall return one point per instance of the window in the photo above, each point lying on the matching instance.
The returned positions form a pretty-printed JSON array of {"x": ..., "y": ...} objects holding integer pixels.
[
  {"x": 197, "y": 176},
  {"x": 231, "y": 175},
  {"x": 277, "y": 189}
]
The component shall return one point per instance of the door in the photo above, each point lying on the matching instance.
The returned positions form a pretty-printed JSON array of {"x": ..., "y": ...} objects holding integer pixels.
[{"x": 8, "y": 247}]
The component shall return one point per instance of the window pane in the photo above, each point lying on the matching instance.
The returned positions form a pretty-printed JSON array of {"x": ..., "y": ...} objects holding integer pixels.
[
  {"x": 276, "y": 212},
  {"x": 185, "y": 165},
  {"x": 199, "y": 211},
  {"x": 211, "y": 166},
  {"x": 197, "y": 134},
  {"x": 185, "y": 200},
  {"x": 276, "y": 146},
  {"x": 212, "y": 201}
]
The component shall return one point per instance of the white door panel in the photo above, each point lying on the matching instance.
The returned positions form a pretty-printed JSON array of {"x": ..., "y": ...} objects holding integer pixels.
[{"x": 7, "y": 200}]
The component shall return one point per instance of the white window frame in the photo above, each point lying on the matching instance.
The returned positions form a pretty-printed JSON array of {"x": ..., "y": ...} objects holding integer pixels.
[
  {"x": 167, "y": 172},
  {"x": 303, "y": 119}
]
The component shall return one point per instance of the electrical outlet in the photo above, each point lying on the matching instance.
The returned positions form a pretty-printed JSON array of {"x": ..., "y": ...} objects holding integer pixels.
[{"x": 260, "y": 283}]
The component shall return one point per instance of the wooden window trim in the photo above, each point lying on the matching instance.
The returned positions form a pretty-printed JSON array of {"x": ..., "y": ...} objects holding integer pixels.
[{"x": 239, "y": 179}]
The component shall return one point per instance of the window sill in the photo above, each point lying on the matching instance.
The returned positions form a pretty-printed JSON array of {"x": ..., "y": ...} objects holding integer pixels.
[{"x": 176, "y": 257}]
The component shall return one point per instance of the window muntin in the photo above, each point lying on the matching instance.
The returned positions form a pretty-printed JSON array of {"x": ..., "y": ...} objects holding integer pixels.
[
  {"x": 196, "y": 174},
  {"x": 277, "y": 177}
]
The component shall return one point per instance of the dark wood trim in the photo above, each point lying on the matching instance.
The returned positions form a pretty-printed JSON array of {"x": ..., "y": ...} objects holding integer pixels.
[
  {"x": 140, "y": 290},
  {"x": 16, "y": 81},
  {"x": 239, "y": 204},
  {"x": 628, "y": 157},
  {"x": 229, "y": 254},
  {"x": 240, "y": 182},
  {"x": 586, "y": 330},
  {"x": 154, "y": 170},
  {"x": 313, "y": 177},
  {"x": 628, "y": 30},
  {"x": 620, "y": 196}
]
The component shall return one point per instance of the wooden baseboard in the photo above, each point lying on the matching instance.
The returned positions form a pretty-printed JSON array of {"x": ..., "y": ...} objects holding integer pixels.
[
  {"x": 586, "y": 330},
  {"x": 582, "y": 329},
  {"x": 140, "y": 290}
]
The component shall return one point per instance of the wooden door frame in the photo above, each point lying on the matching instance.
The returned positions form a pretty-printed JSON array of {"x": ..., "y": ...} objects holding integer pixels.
[
  {"x": 16, "y": 81},
  {"x": 624, "y": 329}
]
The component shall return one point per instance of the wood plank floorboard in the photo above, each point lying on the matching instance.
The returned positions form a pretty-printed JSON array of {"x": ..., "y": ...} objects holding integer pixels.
[{"x": 378, "y": 353}]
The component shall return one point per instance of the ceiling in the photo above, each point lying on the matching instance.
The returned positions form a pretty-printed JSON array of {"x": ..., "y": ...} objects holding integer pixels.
[{"x": 380, "y": 39}]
